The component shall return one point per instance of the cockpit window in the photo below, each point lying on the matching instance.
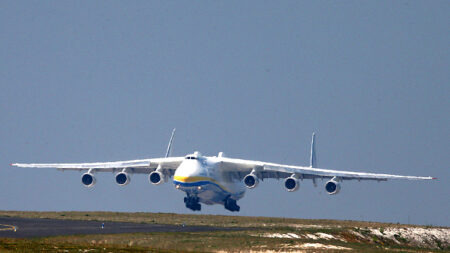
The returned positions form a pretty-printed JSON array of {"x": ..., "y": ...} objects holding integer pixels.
[{"x": 191, "y": 157}]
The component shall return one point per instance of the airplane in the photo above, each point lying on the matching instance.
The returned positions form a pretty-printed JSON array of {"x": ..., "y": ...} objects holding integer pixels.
[{"x": 216, "y": 179}]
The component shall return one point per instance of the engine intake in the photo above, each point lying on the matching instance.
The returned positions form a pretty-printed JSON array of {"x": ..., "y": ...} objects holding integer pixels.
[
  {"x": 156, "y": 177},
  {"x": 251, "y": 181},
  {"x": 88, "y": 179},
  {"x": 291, "y": 184},
  {"x": 122, "y": 178},
  {"x": 332, "y": 187}
]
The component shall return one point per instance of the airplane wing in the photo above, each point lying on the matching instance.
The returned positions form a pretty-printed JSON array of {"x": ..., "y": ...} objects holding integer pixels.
[
  {"x": 240, "y": 168},
  {"x": 166, "y": 165},
  {"x": 142, "y": 166}
]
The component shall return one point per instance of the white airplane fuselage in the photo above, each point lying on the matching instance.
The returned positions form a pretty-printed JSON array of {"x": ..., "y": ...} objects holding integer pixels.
[{"x": 202, "y": 177}]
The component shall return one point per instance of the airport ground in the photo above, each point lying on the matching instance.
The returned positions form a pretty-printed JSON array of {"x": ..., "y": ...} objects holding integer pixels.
[{"x": 165, "y": 232}]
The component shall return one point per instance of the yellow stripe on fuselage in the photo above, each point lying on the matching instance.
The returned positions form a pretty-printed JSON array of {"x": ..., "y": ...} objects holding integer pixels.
[
  {"x": 193, "y": 179},
  {"x": 198, "y": 179}
]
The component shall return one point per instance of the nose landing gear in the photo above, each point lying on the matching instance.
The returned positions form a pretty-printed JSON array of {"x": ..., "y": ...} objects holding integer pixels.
[
  {"x": 230, "y": 204},
  {"x": 192, "y": 203}
]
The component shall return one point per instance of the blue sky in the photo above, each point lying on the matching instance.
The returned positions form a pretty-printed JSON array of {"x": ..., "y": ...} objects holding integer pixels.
[{"x": 108, "y": 80}]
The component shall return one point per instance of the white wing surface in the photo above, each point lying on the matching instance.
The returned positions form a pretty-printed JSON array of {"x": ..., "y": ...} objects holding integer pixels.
[
  {"x": 166, "y": 165},
  {"x": 263, "y": 170},
  {"x": 142, "y": 166}
]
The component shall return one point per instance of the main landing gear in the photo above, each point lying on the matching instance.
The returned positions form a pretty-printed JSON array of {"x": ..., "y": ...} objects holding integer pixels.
[
  {"x": 192, "y": 203},
  {"x": 230, "y": 204}
]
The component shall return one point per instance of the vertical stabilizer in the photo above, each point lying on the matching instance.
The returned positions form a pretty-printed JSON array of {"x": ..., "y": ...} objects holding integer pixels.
[
  {"x": 313, "y": 159},
  {"x": 169, "y": 147}
]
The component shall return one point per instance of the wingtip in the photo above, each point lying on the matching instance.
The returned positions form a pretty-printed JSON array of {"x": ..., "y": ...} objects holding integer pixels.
[
  {"x": 434, "y": 178},
  {"x": 11, "y": 164}
]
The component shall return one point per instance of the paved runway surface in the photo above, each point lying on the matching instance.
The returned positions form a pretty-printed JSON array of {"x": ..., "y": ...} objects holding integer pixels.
[{"x": 28, "y": 228}]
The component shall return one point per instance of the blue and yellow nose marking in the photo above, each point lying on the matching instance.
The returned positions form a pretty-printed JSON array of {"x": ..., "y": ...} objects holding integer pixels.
[{"x": 197, "y": 181}]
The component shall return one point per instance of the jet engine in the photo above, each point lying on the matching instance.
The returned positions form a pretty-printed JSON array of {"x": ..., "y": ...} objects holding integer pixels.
[
  {"x": 156, "y": 177},
  {"x": 291, "y": 184},
  {"x": 88, "y": 179},
  {"x": 251, "y": 181},
  {"x": 332, "y": 187},
  {"x": 122, "y": 178}
]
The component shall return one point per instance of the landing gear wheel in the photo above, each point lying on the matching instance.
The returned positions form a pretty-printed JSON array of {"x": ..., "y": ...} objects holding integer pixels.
[
  {"x": 192, "y": 203},
  {"x": 230, "y": 204}
]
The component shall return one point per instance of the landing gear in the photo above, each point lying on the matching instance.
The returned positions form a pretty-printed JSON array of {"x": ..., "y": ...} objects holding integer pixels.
[
  {"x": 230, "y": 204},
  {"x": 192, "y": 203}
]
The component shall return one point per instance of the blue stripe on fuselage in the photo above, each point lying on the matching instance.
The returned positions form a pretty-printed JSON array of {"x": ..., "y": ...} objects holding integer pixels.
[{"x": 200, "y": 183}]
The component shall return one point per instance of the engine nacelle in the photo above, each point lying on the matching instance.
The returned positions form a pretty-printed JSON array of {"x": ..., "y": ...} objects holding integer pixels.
[
  {"x": 156, "y": 177},
  {"x": 122, "y": 178},
  {"x": 332, "y": 187},
  {"x": 88, "y": 179},
  {"x": 251, "y": 181},
  {"x": 291, "y": 184}
]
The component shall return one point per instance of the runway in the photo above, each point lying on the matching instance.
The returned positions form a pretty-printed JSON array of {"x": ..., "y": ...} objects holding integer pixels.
[{"x": 13, "y": 227}]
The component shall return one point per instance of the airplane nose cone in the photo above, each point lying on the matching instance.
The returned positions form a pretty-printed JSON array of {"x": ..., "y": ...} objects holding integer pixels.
[{"x": 190, "y": 168}]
